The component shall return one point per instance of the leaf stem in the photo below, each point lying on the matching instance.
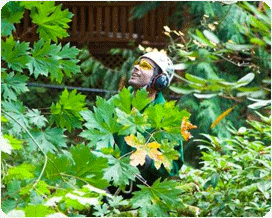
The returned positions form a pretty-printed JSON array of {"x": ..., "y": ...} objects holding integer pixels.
[
  {"x": 126, "y": 155},
  {"x": 26, "y": 130}
]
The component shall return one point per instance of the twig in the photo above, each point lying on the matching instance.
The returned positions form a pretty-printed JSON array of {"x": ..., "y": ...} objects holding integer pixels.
[
  {"x": 239, "y": 65},
  {"x": 126, "y": 155},
  {"x": 45, "y": 162}
]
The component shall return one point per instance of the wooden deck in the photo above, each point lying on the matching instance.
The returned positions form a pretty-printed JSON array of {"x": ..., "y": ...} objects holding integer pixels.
[{"x": 101, "y": 25}]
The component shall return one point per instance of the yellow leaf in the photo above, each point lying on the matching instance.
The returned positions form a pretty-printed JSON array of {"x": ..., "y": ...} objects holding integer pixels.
[
  {"x": 224, "y": 114},
  {"x": 143, "y": 149},
  {"x": 185, "y": 126},
  {"x": 138, "y": 157}
]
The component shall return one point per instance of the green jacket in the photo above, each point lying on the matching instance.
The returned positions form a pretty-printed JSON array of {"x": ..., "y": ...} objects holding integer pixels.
[{"x": 151, "y": 173}]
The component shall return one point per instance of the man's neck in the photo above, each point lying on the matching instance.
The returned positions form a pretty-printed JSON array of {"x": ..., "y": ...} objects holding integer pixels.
[{"x": 152, "y": 94}]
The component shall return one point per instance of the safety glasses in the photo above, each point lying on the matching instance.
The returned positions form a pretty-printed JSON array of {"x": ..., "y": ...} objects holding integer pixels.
[{"x": 144, "y": 64}]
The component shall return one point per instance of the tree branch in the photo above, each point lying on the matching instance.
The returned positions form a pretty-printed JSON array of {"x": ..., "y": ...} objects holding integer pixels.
[{"x": 26, "y": 130}]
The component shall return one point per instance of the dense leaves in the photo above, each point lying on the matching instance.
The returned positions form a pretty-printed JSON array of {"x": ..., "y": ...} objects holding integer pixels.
[
  {"x": 45, "y": 173},
  {"x": 66, "y": 112}
]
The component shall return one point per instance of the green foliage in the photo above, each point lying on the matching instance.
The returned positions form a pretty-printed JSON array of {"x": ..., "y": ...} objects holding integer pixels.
[
  {"x": 235, "y": 177},
  {"x": 82, "y": 165},
  {"x": 11, "y": 13},
  {"x": 53, "y": 59},
  {"x": 36, "y": 118},
  {"x": 50, "y": 139},
  {"x": 66, "y": 112},
  {"x": 120, "y": 172},
  {"x": 13, "y": 85},
  {"x": 15, "y": 53},
  {"x": 52, "y": 21},
  {"x": 44, "y": 174},
  {"x": 156, "y": 200},
  {"x": 101, "y": 124}
]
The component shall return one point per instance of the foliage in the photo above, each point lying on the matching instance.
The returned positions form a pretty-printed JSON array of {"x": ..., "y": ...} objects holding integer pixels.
[
  {"x": 43, "y": 174},
  {"x": 235, "y": 179}
]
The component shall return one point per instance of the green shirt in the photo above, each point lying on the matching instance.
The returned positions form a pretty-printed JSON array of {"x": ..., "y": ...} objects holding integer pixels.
[{"x": 151, "y": 174}]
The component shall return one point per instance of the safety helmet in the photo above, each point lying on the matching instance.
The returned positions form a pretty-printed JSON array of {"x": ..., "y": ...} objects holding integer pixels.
[{"x": 164, "y": 63}]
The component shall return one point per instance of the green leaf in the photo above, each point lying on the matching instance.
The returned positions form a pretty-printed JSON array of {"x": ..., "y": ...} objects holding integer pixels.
[
  {"x": 166, "y": 116},
  {"x": 37, "y": 210},
  {"x": 11, "y": 13},
  {"x": 50, "y": 140},
  {"x": 141, "y": 99},
  {"x": 120, "y": 172},
  {"x": 15, "y": 54},
  {"x": 205, "y": 95},
  {"x": 245, "y": 80},
  {"x": 133, "y": 122},
  {"x": 238, "y": 47},
  {"x": 53, "y": 59},
  {"x": 83, "y": 165},
  {"x": 101, "y": 210},
  {"x": 36, "y": 118},
  {"x": 123, "y": 100},
  {"x": 195, "y": 79},
  {"x": 42, "y": 188},
  {"x": 158, "y": 199},
  {"x": 88, "y": 166},
  {"x": 101, "y": 124},
  {"x": 66, "y": 112},
  {"x": 21, "y": 172},
  {"x": 14, "y": 142},
  {"x": 8, "y": 205},
  {"x": 184, "y": 91},
  {"x": 13, "y": 85},
  {"x": 52, "y": 21},
  {"x": 211, "y": 36},
  {"x": 13, "y": 188},
  {"x": 16, "y": 110}
]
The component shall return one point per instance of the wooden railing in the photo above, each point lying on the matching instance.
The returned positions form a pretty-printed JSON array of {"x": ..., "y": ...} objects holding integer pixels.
[{"x": 95, "y": 22}]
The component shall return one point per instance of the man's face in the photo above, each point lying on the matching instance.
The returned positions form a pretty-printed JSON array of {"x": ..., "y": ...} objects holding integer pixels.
[{"x": 142, "y": 73}]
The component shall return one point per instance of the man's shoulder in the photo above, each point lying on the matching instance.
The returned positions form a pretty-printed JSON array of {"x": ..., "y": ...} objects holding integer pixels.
[{"x": 159, "y": 98}]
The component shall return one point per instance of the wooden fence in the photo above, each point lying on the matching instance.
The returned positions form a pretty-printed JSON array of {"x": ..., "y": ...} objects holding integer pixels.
[{"x": 108, "y": 22}]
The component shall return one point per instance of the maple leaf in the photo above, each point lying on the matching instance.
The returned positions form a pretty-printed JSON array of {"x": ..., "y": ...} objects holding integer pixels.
[
  {"x": 16, "y": 110},
  {"x": 158, "y": 199},
  {"x": 166, "y": 116},
  {"x": 54, "y": 59},
  {"x": 101, "y": 124},
  {"x": 142, "y": 149},
  {"x": 185, "y": 126},
  {"x": 15, "y": 53},
  {"x": 120, "y": 172},
  {"x": 125, "y": 100},
  {"x": 11, "y": 13},
  {"x": 66, "y": 112},
  {"x": 132, "y": 122},
  {"x": 81, "y": 163},
  {"x": 49, "y": 139},
  {"x": 36, "y": 118},
  {"x": 13, "y": 85},
  {"x": 52, "y": 21}
]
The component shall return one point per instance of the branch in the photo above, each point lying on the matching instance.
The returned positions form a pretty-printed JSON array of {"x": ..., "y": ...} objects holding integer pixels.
[{"x": 26, "y": 130}]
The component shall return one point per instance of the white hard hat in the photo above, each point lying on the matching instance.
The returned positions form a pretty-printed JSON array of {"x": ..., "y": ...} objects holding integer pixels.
[{"x": 163, "y": 61}]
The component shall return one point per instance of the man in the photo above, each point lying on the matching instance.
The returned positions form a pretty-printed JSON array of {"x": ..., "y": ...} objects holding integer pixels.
[{"x": 153, "y": 71}]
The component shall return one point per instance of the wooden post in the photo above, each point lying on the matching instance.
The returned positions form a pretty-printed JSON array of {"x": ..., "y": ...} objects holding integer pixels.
[
  {"x": 124, "y": 18},
  {"x": 107, "y": 22},
  {"x": 82, "y": 23},
  {"x": 91, "y": 21},
  {"x": 115, "y": 22},
  {"x": 130, "y": 25},
  {"x": 99, "y": 22}
]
